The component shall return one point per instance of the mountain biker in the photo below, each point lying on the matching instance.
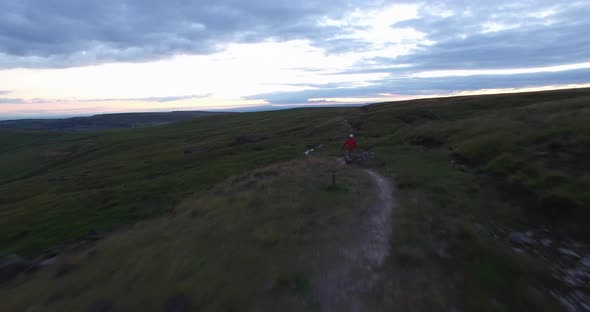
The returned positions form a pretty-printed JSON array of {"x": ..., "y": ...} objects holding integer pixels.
[{"x": 349, "y": 147}]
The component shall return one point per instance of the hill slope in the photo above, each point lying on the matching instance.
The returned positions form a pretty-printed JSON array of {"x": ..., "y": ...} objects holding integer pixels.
[
  {"x": 104, "y": 122},
  {"x": 253, "y": 242},
  {"x": 470, "y": 171}
]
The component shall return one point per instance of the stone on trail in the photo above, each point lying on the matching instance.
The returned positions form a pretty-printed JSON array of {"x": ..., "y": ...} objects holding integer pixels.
[{"x": 520, "y": 239}]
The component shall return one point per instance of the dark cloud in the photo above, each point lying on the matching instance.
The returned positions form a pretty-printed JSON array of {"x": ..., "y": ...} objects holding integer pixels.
[
  {"x": 534, "y": 47},
  {"x": 530, "y": 40},
  {"x": 430, "y": 86},
  {"x": 462, "y": 34},
  {"x": 63, "y": 33}
]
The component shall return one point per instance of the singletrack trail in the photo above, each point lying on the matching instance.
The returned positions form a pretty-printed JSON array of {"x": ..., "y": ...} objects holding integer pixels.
[{"x": 344, "y": 285}]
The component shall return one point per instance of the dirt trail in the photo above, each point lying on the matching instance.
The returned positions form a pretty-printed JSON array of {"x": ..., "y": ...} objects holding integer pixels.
[{"x": 347, "y": 282}]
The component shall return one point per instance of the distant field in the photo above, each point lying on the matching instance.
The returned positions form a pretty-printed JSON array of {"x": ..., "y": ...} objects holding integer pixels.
[{"x": 461, "y": 164}]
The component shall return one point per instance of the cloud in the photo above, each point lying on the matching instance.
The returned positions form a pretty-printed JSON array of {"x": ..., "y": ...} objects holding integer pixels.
[
  {"x": 11, "y": 101},
  {"x": 522, "y": 47},
  {"x": 455, "y": 35},
  {"x": 162, "y": 99},
  {"x": 310, "y": 49},
  {"x": 499, "y": 34},
  {"x": 431, "y": 86},
  {"x": 62, "y": 33}
]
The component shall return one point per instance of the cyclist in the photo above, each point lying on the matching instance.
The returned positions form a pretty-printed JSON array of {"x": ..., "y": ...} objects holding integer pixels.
[{"x": 349, "y": 146}]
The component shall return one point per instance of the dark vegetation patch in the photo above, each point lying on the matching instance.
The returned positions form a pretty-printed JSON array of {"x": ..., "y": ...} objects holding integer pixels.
[
  {"x": 414, "y": 115},
  {"x": 357, "y": 124},
  {"x": 195, "y": 150},
  {"x": 428, "y": 141},
  {"x": 291, "y": 285},
  {"x": 249, "y": 138}
]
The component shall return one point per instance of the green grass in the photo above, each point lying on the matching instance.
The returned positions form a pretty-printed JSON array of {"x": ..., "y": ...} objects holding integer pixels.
[
  {"x": 246, "y": 244},
  {"x": 55, "y": 187},
  {"x": 461, "y": 164}
]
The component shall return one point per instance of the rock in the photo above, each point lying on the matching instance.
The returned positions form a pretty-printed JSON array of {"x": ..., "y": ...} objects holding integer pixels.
[
  {"x": 520, "y": 239},
  {"x": 546, "y": 242},
  {"x": 102, "y": 305},
  {"x": 427, "y": 141},
  {"x": 568, "y": 252},
  {"x": 518, "y": 250},
  {"x": 177, "y": 303},
  {"x": 11, "y": 266},
  {"x": 529, "y": 234},
  {"x": 46, "y": 262},
  {"x": 576, "y": 277},
  {"x": 367, "y": 156}
]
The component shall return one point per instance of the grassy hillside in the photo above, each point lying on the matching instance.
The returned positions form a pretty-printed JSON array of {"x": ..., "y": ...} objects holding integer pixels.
[
  {"x": 56, "y": 187},
  {"x": 250, "y": 243},
  {"x": 470, "y": 170},
  {"x": 533, "y": 147},
  {"x": 465, "y": 167}
]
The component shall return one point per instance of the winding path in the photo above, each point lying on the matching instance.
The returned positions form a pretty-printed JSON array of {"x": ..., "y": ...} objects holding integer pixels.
[{"x": 343, "y": 286}]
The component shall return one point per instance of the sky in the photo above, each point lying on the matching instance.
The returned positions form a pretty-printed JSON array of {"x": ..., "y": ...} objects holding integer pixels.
[{"x": 68, "y": 58}]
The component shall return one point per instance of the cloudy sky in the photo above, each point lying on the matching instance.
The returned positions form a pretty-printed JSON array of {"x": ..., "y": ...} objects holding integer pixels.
[{"x": 77, "y": 57}]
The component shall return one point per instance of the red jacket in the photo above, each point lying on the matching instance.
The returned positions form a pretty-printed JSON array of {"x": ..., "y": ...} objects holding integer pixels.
[{"x": 350, "y": 144}]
